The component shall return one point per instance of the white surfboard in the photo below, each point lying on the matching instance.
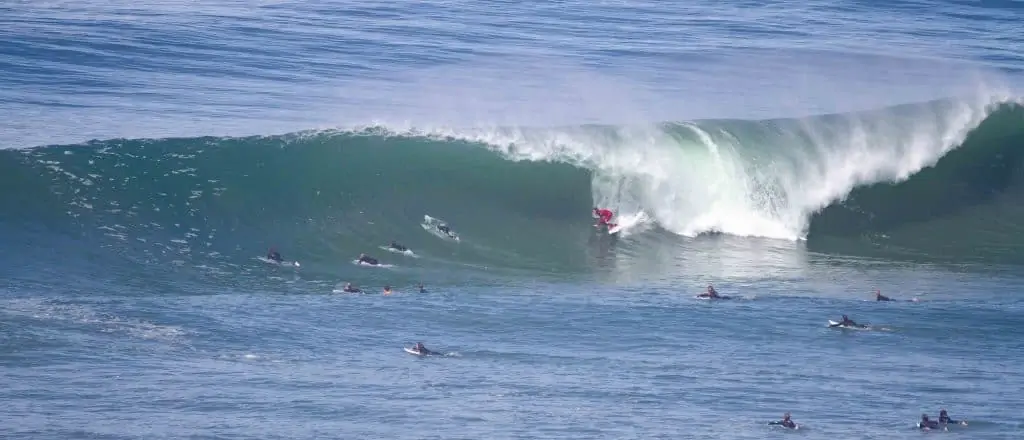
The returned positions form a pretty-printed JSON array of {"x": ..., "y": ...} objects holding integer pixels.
[
  {"x": 836, "y": 324},
  {"x": 279, "y": 263},
  {"x": 628, "y": 222},
  {"x": 413, "y": 351},
  {"x": 407, "y": 252},
  {"x": 360, "y": 263},
  {"x": 430, "y": 225}
]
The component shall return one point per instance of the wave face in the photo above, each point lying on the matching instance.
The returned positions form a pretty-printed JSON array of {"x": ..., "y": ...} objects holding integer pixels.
[{"x": 524, "y": 195}]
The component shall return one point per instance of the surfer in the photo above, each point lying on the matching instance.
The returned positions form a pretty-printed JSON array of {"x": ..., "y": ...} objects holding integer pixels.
[
  {"x": 712, "y": 294},
  {"x": 274, "y": 255},
  {"x": 349, "y": 288},
  {"x": 945, "y": 420},
  {"x": 419, "y": 348},
  {"x": 387, "y": 290},
  {"x": 604, "y": 217},
  {"x": 880, "y": 297},
  {"x": 398, "y": 247},
  {"x": 927, "y": 423},
  {"x": 786, "y": 422},
  {"x": 363, "y": 258},
  {"x": 847, "y": 322},
  {"x": 443, "y": 227},
  {"x": 422, "y": 289}
]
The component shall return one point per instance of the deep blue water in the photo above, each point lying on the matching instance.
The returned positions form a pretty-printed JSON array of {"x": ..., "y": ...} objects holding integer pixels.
[{"x": 797, "y": 155}]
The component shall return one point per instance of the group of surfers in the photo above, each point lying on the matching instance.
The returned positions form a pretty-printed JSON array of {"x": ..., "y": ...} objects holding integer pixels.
[
  {"x": 925, "y": 424},
  {"x": 274, "y": 255},
  {"x": 603, "y": 216},
  {"x": 711, "y": 293}
]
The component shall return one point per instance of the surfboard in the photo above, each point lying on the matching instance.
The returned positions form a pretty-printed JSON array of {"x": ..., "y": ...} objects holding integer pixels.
[
  {"x": 413, "y": 352},
  {"x": 835, "y": 324},
  {"x": 430, "y": 225},
  {"x": 407, "y": 252},
  {"x": 360, "y": 263},
  {"x": 705, "y": 297},
  {"x": 279, "y": 263},
  {"x": 627, "y": 222}
]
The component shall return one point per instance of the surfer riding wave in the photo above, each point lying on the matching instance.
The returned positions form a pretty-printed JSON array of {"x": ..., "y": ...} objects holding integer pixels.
[{"x": 604, "y": 217}]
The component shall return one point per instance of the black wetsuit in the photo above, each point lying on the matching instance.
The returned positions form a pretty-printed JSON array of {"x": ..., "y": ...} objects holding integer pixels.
[
  {"x": 927, "y": 424},
  {"x": 850, "y": 323},
  {"x": 945, "y": 420},
  {"x": 352, "y": 290},
  {"x": 882, "y": 298},
  {"x": 398, "y": 247},
  {"x": 276, "y": 256},
  {"x": 445, "y": 229},
  {"x": 369, "y": 260}
]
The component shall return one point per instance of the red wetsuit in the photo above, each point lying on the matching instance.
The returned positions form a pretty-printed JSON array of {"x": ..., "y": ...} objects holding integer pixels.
[{"x": 605, "y": 217}]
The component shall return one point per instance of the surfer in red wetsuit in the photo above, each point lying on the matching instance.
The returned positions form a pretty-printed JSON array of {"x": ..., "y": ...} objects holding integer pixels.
[{"x": 604, "y": 217}]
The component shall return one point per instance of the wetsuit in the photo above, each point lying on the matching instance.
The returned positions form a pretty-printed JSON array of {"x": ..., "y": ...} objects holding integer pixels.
[
  {"x": 604, "y": 217},
  {"x": 398, "y": 247},
  {"x": 787, "y": 423},
  {"x": 882, "y": 298},
  {"x": 927, "y": 424},
  {"x": 945, "y": 420},
  {"x": 369, "y": 260},
  {"x": 275, "y": 255},
  {"x": 445, "y": 229}
]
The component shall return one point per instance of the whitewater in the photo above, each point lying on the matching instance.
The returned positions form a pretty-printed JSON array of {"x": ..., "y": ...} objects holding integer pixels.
[{"x": 795, "y": 155}]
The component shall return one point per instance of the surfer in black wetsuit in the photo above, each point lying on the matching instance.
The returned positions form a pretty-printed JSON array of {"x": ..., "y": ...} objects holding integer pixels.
[
  {"x": 880, "y": 297},
  {"x": 422, "y": 289},
  {"x": 945, "y": 420},
  {"x": 847, "y": 322},
  {"x": 363, "y": 258},
  {"x": 786, "y": 422},
  {"x": 444, "y": 228},
  {"x": 927, "y": 423},
  {"x": 398, "y": 247},
  {"x": 274, "y": 255},
  {"x": 421, "y": 349},
  {"x": 349, "y": 288},
  {"x": 712, "y": 294}
]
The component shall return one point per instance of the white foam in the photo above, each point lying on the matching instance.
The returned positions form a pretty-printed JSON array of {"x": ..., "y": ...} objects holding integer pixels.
[{"x": 709, "y": 181}]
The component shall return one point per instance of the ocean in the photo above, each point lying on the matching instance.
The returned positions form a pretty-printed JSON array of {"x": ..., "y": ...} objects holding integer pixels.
[{"x": 795, "y": 155}]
